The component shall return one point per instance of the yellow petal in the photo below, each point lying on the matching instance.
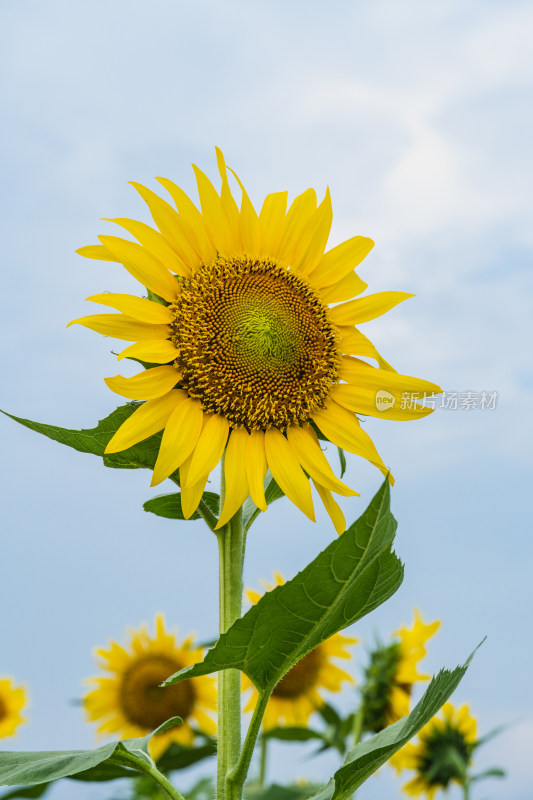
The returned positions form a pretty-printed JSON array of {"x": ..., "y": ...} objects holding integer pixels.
[
  {"x": 287, "y": 471},
  {"x": 314, "y": 239},
  {"x": 248, "y": 221},
  {"x": 340, "y": 260},
  {"x": 385, "y": 403},
  {"x": 362, "y": 374},
  {"x": 229, "y": 205},
  {"x": 236, "y": 485},
  {"x": 155, "y": 351},
  {"x": 355, "y": 343},
  {"x": 192, "y": 221},
  {"x": 256, "y": 467},
  {"x": 147, "y": 385},
  {"x": 314, "y": 461},
  {"x": 120, "y": 326},
  {"x": 272, "y": 221},
  {"x": 97, "y": 251},
  {"x": 190, "y": 495},
  {"x": 148, "y": 419},
  {"x": 180, "y": 437},
  {"x": 144, "y": 267},
  {"x": 298, "y": 216},
  {"x": 214, "y": 216},
  {"x": 343, "y": 429},
  {"x": 136, "y": 307},
  {"x": 155, "y": 243},
  {"x": 332, "y": 507},
  {"x": 209, "y": 449},
  {"x": 350, "y": 286},
  {"x": 363, "y": 309}
]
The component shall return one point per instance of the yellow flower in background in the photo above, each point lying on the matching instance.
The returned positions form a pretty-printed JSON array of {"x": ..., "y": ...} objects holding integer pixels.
[
  {"x": 13, "y": 699},
  {"x": 298, "y": 694},
  {"x": 442, "y": 753},
  {"x": 392, "y": 672},
  {"x": 129, "y": 701},
  {"x": 250, "y": 339}
]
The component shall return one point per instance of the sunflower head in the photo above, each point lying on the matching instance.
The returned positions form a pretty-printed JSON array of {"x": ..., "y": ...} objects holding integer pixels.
[
  {"x": 299, "y": 693},
  {"x": 250, "y": 341},
  {"x": 129, "y": 700},
  {"x": 391, "y": 673},
  {"x": 442, "y": 753},
  {"x": 13, "y": 700}
]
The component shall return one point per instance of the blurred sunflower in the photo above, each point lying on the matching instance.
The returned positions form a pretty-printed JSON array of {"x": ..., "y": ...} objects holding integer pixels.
[
  {"x": 391, "y": 674},
  {"x": 245, "y": 354},
  {"x": 442, "y": 753},
  {"x": 130, "y": 702},
  {"x": 13, "y": 699},
  {"x": 298, "y": 694}
]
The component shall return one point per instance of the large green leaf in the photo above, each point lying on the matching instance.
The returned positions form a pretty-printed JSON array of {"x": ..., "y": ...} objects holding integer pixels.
[
  {"x": 179, "y": 757},
  {"x": 356, "y": 573},
  {"x": 94, "y": 440},
  {"x": 36, "y": 768},
  {"x": 368, "y": 756},
  {"x": 169, "y": 505}
]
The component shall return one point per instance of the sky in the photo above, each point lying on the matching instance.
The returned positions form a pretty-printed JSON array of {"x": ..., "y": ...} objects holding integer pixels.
[{"x": 419, "y": 118}]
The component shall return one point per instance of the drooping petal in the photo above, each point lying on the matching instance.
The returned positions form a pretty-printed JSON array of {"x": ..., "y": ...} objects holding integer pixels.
[
  {"x": 209, "y": 449},
  {"x": 340, "y": 260},
  {"x": 155, "y": 243},
  {"x": 355, "y": 343},
  {"x": 343, "y": 429},
  {"x": 236, "y": 484},
  {"x": 144, "y": 267},
  {"x": 179, "y": 438},
  {"x": 256, "y": 468},
  {"x": 388, "y": 404},
  {"x": 147, "y": 385},
  {"x": 332, "y": 507},
  {"x": 190, "y": 495},
  {"x": 314, "y": 239},
  {"x": 298, "y": 215},
  {"x": 149, "y": 418},
  {"x": 314, "y": 461},
  {"x": 136, "y": 307},
  {"x": 98, "y": 252},
  {"x": 119, "y": 326},
  {"x": 350, "y": 286},
  {"x": 363, "y": 309},
  {"x": 272, "y": 221},
  {"x": 154, "y": 351},
  {"x": 287, "y": 472}
]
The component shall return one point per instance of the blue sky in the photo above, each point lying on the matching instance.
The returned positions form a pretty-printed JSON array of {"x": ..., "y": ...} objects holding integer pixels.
[{"x": 418, "y": 117}]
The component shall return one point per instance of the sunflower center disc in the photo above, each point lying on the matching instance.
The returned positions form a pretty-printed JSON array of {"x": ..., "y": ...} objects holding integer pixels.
[
  {"x": 3, "y": 710},
  {"x": 254, "y": 343},
  {"x": 445, "y": 754},
  {"x": 302, "y": 677},
  {"x": 143, "y": 700}
]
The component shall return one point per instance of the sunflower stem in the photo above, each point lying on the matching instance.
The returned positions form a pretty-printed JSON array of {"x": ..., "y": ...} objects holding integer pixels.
[
  {"x": 238, "y": 776},
  {"x": 358, "y": 724},
  {"x": 263, "y": 761},
  {"x": 148, "y": 769},
  {"x": 231, "y": 558}
]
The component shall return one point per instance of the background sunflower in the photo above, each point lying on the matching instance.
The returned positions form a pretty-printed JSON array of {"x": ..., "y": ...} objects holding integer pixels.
[{"x": 13, "y": 700}]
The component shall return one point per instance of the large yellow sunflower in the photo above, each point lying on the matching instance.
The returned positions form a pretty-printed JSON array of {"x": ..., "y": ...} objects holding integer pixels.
[
  {"x": 249, "y": 336},
  {"x": 392, "y": 672},
  {"x": 442, "y": 753},
  {"x": 297, "y": 695},
  {"x": 13, "y": 699},
  {"x": 129, "y": 701}
]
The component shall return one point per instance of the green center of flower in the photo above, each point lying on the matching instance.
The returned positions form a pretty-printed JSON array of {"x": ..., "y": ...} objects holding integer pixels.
[
  {"x": 254, "y": 342},
  {"x": 144, "y": 702},
  {"x": 445, "y": 757},
  {"x": 379, "y": 681},
  {"x": 301, "y": 678}
]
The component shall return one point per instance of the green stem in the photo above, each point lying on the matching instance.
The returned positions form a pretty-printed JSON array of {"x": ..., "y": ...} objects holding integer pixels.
[
  {"x": 143, "y": 766},
  {"x": 358, "y": 724},
  {"x": 263, "y": 761},
  {"x": 231, "y": 557},
  {"x": 466, "y": 789},
  {"x": 238, "y": 776}
]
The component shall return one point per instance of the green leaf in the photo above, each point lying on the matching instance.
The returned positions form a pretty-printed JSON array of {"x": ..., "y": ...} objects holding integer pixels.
[
  {"x": 290, "y": 733},
  {"x": 37, "y": 768},
  {"x": 27, "y": 791},
  {"x": 354, "y": 575},
  {"x": 368, "y": 756},
  {"x": 277, "y": 792},
  {"x": 250, "y": 512},
  {"x": 95, "y": 440},
  {"x": 495, "y": 772},
  {"x": 342, "y": 459},
  {"x": 169, "y": 505},
  {"x": 176, "y": 756}
]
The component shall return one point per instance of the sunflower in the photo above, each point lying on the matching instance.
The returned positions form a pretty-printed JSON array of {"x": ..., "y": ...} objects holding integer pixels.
[
  {"x": 244, "y": 352},
  {"x": 442, "y": 753},
  {"x": 13, "y": 699},
  {"x": 297, "y": 694},
  {"x": 130, "y": 702},
  {"x": 392, "y": 672}
]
